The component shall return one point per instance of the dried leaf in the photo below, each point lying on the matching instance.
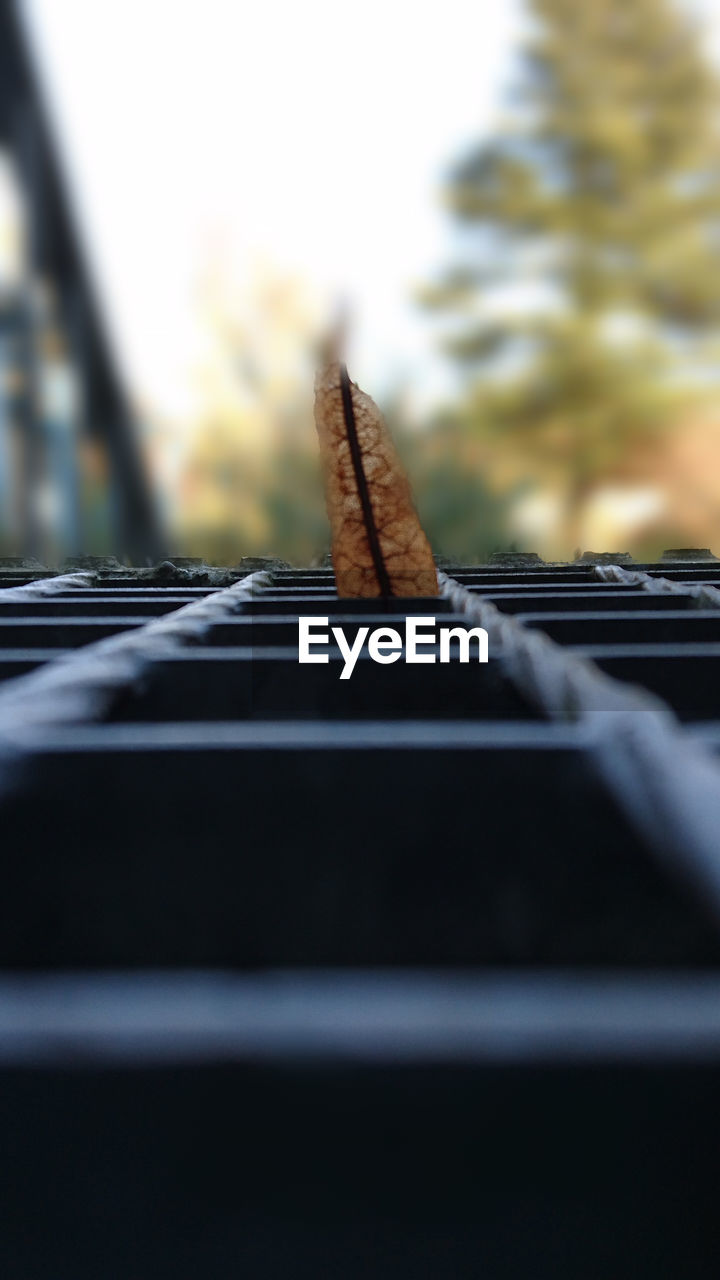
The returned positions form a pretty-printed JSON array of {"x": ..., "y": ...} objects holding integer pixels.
[{"x": 379, "y": 548}]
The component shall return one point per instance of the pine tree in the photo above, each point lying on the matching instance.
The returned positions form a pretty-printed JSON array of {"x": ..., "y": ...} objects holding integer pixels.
[{"x": 604, "y": 191}]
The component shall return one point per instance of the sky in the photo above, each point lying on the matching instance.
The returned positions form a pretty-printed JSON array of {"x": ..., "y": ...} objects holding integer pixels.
[{"x": 313, "y": 136}]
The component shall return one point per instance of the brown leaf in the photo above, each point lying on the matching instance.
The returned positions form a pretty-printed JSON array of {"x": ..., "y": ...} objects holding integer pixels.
[{"x": 379, "y": 548}]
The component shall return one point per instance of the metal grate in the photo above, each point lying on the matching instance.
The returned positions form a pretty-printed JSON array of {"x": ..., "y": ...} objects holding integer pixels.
[{"x": 536, "y": 1020}]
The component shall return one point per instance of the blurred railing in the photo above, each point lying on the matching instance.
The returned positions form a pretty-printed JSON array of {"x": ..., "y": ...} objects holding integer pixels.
[{"x": 71, "y": 474}]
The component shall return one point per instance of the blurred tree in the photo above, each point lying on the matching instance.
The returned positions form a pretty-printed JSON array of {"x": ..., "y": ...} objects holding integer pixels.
[
  {"x": 463, "y": 518},
  {"x": 600, "y": 197},
  {"x": 250, "y": 480}
]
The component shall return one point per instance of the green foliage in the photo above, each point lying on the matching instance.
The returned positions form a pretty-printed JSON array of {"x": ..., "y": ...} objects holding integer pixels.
[
  {"x": 604, "y": 192},
  {"x": 462, "y": 518}
]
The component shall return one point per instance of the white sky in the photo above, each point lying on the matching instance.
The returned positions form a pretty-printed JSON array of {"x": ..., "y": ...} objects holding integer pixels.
[{"x": 312, "y": 133}]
